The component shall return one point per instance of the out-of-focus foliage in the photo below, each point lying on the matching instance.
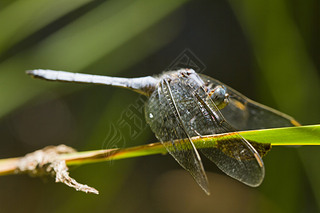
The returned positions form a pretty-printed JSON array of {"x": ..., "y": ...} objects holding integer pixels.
[
  {"x": 267, "y": 50},
  {"x": 284, "y": 37}
]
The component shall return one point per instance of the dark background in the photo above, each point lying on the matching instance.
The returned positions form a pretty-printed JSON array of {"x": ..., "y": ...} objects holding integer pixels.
[{"x": 267, "y": 50}]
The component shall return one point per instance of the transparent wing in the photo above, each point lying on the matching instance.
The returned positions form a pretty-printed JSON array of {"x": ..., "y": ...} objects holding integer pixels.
[
  {"x": 245, "y": 114},
  {"x": 235, "y": 155},
  {"x": 163, "y": 113}
]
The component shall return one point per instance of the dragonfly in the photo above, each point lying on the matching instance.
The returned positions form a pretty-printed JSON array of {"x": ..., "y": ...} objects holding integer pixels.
[{"x": 183, "y": 104}]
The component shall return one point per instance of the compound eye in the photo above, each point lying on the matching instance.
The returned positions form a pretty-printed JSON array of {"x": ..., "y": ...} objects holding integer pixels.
[
  {"x": 220, "y": 96},
  {"x": 219, "y": 93}
]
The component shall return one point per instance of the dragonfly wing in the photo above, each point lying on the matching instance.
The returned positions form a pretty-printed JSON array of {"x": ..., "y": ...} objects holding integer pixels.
[
  {"x": 245, "y": 114},
  {"x": 237, "y": 157},
  {"x": 163, "y": 113},
  {"x": 234, "y": 155}
]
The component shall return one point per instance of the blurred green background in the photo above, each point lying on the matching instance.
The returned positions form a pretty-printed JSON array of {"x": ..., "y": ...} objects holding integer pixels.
[{"x": 267, "y": 50}]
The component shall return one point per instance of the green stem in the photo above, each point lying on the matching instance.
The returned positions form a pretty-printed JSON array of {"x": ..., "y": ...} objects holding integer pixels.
[{"x": 288, "y": 136}]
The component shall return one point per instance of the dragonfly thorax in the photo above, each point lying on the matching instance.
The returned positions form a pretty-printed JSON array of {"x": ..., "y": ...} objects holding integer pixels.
[{"x": 182, "y": 96}]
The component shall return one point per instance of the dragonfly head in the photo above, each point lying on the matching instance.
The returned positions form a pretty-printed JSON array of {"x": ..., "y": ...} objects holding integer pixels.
[{"x": 220, "y": 96}]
